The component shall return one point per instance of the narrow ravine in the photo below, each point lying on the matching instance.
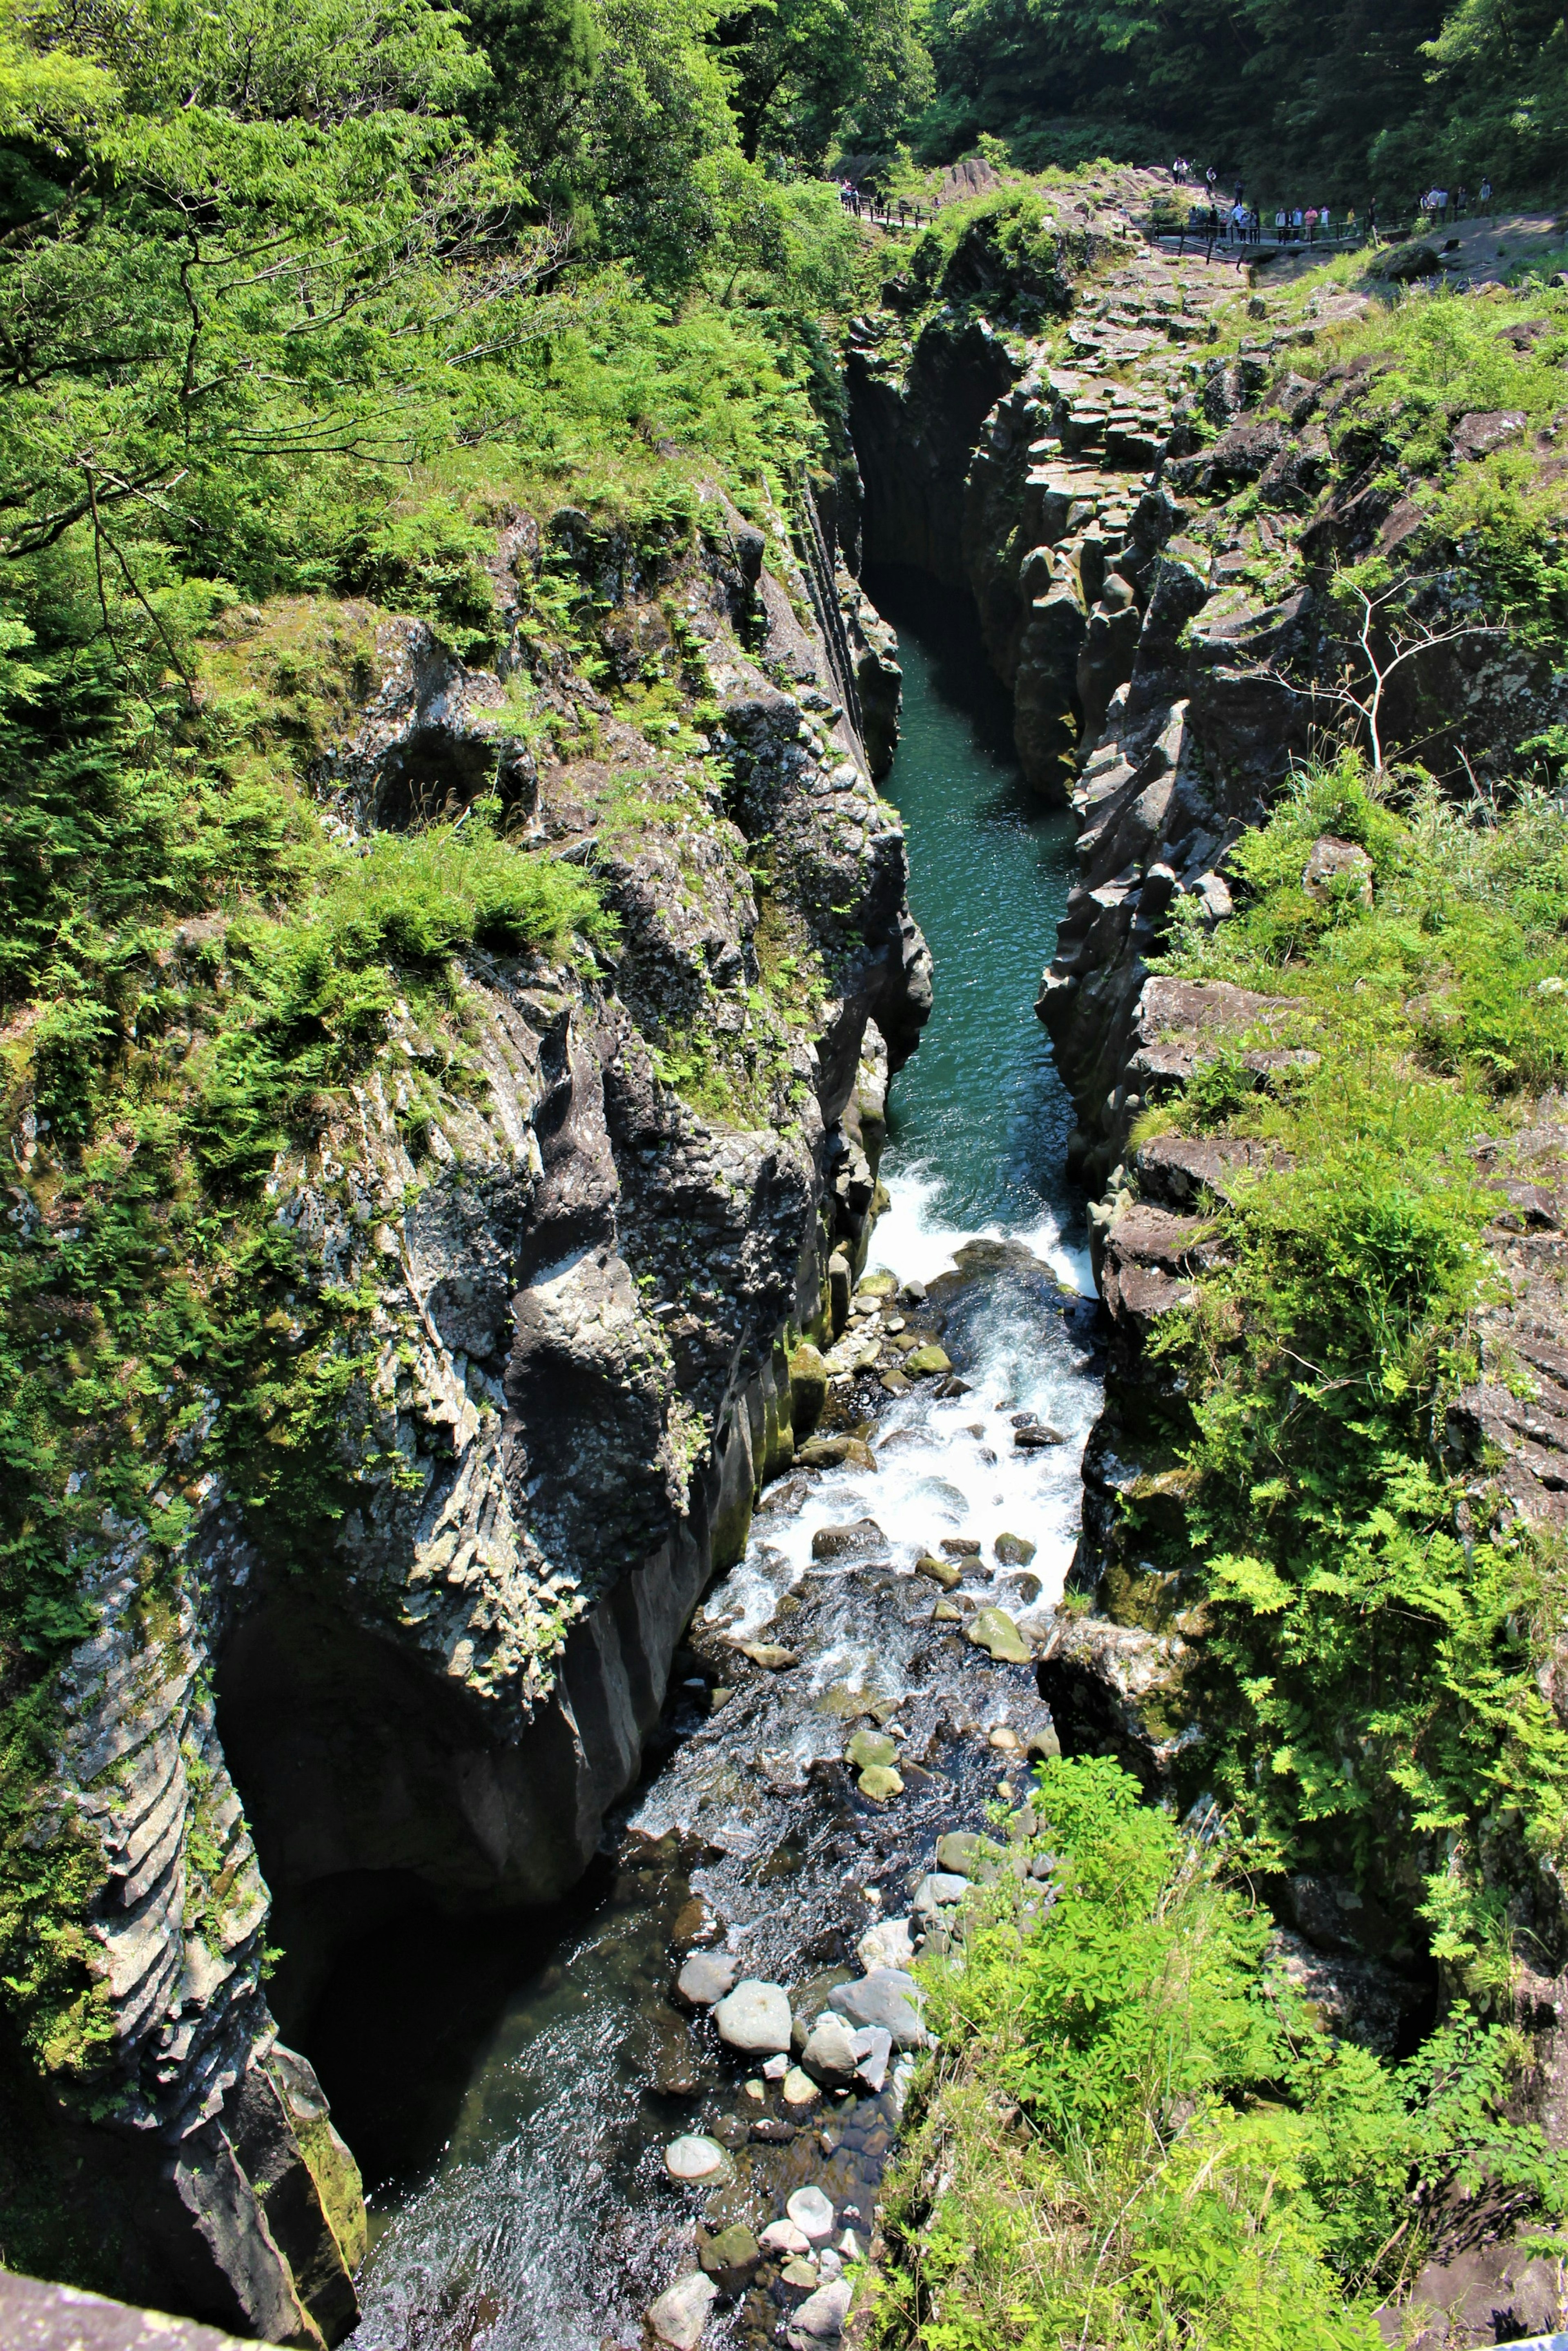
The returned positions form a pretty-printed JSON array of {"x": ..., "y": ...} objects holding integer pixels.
[{"x": 514, "y": 2093}]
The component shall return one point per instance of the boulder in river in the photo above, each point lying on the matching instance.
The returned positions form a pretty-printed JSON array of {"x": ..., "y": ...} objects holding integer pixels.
[
  {"x": 1037, "y": 1437},
  {"x": 696, "y": 2157},
  {"x": 993, "y": 1630},
  {"x": 730, "y": 2257},
  {"x": 799, "y": 2090},
  {"x": 869, "y": 1747},
  {"x": 885, "y": 1945},
  {"x": 784, "y": 2237},
  {"x": 880, "y": 1782},
  {"x": 1013, "y": 1550},
  {"x": 831, "y": 2053},
  {"x": 821, "y": 2318},
  {"x": 895, "y": 1384},
  {"x": 799, "y": 2272},
  {"x": 811, "y": 2210},
  {"x": 679, "y": 2315},
  {"x": 961, "y": 1546},
  {"x": 861, "y": 1538},
  {"x": 886, "y": 1996},
  {"x": 836, "y": 1453},
  {"x": 755, "y": 2017},
  {"x": 706, "y": 1977},
  {"x": 938, "y": 1890},
  {"x": 874, "y": 2045},
  {"x": 963, "y": 1855},
  {"x": 920, "y": 1363},
  {"x": 770, "y": 1654}
]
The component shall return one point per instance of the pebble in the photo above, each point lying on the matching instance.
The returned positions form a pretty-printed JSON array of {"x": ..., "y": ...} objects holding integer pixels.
[
  {"x": 756, "y": 2091},
  {"x": 784, "y": 2237},
  {"x": 1005, "y": 1740},
  {"x": 879, "y": 1781},
  {"x": 945, "y": 1612},
  {"x": 706, "y": 1977},
  {"x": 695, "y": 2157},
  {"x": 776, "y": 2069},
  {"x": 810, "y": 2210},
  {"x": 753, "y": 2018},
  {"x": 679, "y": 2315},
  {"x": 799, "y": 2090},
  {"x": 885, "y": 1945},
  {"x": 797, "y": 2270},
  {"x": 769, "y": 1655}
]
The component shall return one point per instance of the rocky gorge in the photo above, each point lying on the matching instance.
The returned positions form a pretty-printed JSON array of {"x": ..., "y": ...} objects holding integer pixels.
[{"x": 672, "y": 1427}]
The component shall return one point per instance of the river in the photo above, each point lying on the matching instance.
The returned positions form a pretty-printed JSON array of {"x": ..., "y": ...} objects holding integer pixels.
[{"x": 510, "y": 2088}]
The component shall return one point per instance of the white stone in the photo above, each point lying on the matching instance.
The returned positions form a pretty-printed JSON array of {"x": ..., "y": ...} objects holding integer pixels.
[
  {"x": 810, "y": 2210},
  {"x": 776, "y": 2069},
  {"x": 830, "y": 2054},
  {"x": 755, "y": 2017},
  {"x": 679, "y": 2315},
  {"x": 695, "y": 2158},
  {"x": 706, "y": 1977},
  {"x": 799, "y": 2090},
  {"x": 885, "y": 1945},
  {"x": 850, "y": 2247}
]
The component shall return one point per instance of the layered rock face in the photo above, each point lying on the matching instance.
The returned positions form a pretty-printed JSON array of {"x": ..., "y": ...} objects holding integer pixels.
[{"x": 583, "y": 1215}]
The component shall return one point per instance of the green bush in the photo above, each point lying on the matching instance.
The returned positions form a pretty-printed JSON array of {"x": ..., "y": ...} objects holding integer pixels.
[{"x": 1135, "y": 2132}]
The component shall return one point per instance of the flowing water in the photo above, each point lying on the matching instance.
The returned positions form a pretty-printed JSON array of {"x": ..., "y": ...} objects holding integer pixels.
[{"x": 514, "y": 2140}]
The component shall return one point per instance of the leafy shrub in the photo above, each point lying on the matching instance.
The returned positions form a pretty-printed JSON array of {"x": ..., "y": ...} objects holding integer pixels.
[{"x": 1135, "y": 2133}]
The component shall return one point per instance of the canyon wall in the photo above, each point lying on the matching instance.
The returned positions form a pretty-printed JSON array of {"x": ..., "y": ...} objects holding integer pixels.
[{"x": 577, "y": 1213}]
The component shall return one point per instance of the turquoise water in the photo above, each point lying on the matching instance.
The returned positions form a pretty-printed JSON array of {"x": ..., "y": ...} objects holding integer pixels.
[{"x": 979, "y": 1118}]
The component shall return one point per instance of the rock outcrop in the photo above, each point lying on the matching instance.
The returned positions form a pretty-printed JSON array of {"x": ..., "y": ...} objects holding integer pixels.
[{"x": 580, "y": 1220}]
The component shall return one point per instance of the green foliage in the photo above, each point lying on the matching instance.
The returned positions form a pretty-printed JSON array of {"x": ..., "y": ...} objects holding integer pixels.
[
  {"x": 1135, "y": 2132},
  {"x": 1376, "y": 1653}
]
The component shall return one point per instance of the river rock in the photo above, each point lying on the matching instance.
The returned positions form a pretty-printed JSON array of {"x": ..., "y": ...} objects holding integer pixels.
[
  {"x": 776, "y": 2069},
  {"x": 993, "y": 1630},
  {"x": 962, "y": 1855},
  {"x": 861, "y": 1538},
  {"x": 706, "y": 1977},
  {"x": 879, "y": 1283},
  {"x": 695, "y": 1922},
  {"x": 961, "y": 1546},
  {"x": 784, "y": 2237},
  {"x": 754, "y": 2017},
  {"x": 695, "y": 2157},
  {"x": 1037, "y": 1436},
  {"x": 1013, "y": 1550},
  {"x": 885, "y": 1945},
  {"x": 772, "y": 2132},
  {"x": 811, "y": 2210},
  {"x": 831, "y": 2055},
  {"x": 939, "y": 1891},
  {"x": 769, "y": 1655},
  {"x": 836, "y": 1453},
  {"x": 679, "y": 2315},
  {"x": 920, "y": 1363},
  {"x": 895, "y": 1384},
  {"x": 940, "y": 1570},
  {"x": 799, "y": 2090},
  {"x": 1003, "y": 1739},
  {"x": 731, "y": 2256},
  {"x": 869, "y": 1747},
  {"x": 799, "y": 2272},
  {"x": 821, "y": 2318},
  {"x": 947, "y": 1613},
  {"x": 880, "y": 1782},
  {"x": 886, "y": 1998},
  {"x": 874, "y": 2044}
]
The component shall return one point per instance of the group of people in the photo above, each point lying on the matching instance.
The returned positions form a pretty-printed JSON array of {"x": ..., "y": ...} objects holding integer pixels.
[
  {"x": 866, "y": 205},
  {"x": 1242, "y": 223}
]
